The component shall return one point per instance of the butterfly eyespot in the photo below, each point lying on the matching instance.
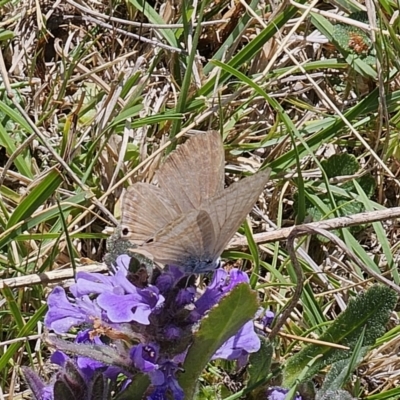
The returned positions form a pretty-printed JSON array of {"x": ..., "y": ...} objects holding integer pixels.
[{"x": 125, "y": 232}]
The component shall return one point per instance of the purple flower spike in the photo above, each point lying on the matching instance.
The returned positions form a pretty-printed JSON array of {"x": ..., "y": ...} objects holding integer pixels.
[
  {"x": 63, "y": 314},
  {"x": 245, "y": 341},
  {"x": 278, "y": 393},
  {"x": 173, "y": 332},
  {"x": 87, "y": 365}
]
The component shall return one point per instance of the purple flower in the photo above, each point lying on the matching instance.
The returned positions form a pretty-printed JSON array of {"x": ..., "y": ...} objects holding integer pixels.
[
  {"x": 91, "y": 283},
  {"x": 136, "y": 306},
  {"x": 123, "y": 262},
  {"x": 87, "y": 365},
  {"x": 59, "y": 358},
  {"x": 169, "y": 387},
  {"x": 159, "y": 317},
  {"x": 144, "y": 357},
  {"x": 63, "y": 314},
  {"x": 94, "y": 283},
  {"x": 40, "y": 390},
  {"x": 268, "y": 318},
  {"x": 185, "y": 296},
  {"x": 161, "y": 372},
  {"x": 278, "y": 393},
  {"x": 222, "y": 283},
  {"x": 169, "y": 278},
  {"x": 245, "y": 341}
]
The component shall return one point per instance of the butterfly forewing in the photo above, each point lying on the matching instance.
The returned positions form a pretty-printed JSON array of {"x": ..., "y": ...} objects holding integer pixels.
[
  {"x": 145, "y": 211},
  {"x": 227, "y": 210},
  {"x": 194, "y": 172}
]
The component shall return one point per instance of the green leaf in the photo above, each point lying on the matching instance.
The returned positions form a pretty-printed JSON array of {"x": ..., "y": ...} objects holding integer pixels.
[
  {"x": 13, "y": 307},
  {"x": 340, "y": 165},
  {"x": 36, "y": 198},
  {"x": 338, "y": 374},
  {"x": 155, "y": 18},
  {"x": 119, "y": 122},
  {"x": 392, "y": 394},
  {"x": 370, "y": 310},
  {"x": 381, "y": 235},
  {"x": 260, "y": 363},
  {"x": 351, "y": 39},
  {"x": 16, "y": 117},
  {"x": 345, "y": 199},
  {"x": 358, "y": 64},
  {"x": 354, "y": 245},
  {"x": 254, "y": 252},
  {"x": 21, "y": 164},
  {"x": 349, "y": 208},
  {"x": 222, "y": 322},
  {"x": 72, "y": 254},
  {"x": 336, "y": 395},
  {"x": 5, "y": 34},
  {"x": 368, "y": 184},
  {"x": 125, "y": 114}
]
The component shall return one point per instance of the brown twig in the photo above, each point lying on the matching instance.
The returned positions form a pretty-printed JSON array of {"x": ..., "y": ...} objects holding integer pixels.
[
  {"x": 329, "y": 224},
  {"x": 52, "y": 276},
  {"x": 297, "y": 231}
]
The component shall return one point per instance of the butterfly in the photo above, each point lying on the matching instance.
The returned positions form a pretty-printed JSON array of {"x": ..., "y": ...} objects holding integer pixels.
[{"x": 187, "y": 218}]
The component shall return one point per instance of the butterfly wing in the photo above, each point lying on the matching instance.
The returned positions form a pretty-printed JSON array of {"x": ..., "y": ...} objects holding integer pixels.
[
  {"x": 228, "y": 209},
  {"x": 186, "y": 242},
  {"x": 145, "y": 211},
  {"x": 194, "y": 172}
]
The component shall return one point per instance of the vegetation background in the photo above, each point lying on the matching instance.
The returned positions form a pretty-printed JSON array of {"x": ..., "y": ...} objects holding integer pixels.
[{"x": 93, "y": 94}]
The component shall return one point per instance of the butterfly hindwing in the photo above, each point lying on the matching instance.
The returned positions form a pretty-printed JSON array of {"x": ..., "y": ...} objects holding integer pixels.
[
  {"x": 189, "y": 237},
  {"x": 228, "y": 209}
]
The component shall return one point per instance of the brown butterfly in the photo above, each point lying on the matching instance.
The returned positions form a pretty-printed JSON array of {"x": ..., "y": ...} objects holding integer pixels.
[{"x": 188, "y": 218}]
